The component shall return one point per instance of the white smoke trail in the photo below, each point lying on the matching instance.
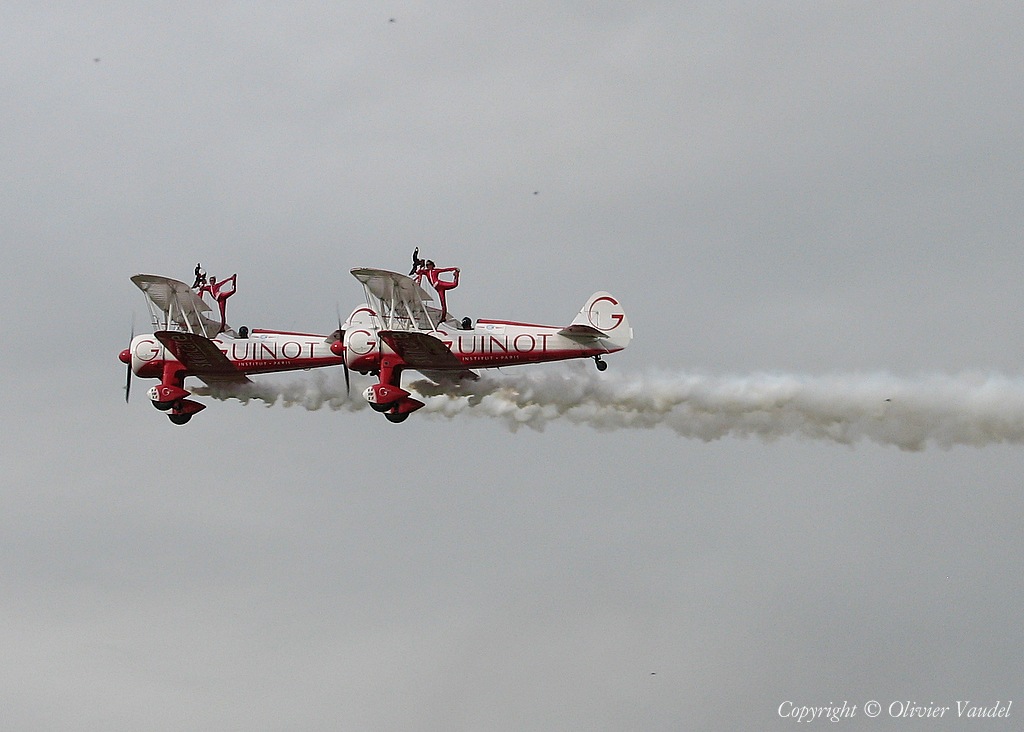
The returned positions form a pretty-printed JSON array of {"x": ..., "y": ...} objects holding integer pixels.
[
  {"x": 968, "y": 409},
  {"x": 315, "y": 391}
]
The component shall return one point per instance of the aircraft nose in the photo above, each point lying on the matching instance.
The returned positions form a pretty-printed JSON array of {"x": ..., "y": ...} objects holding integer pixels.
[
  {"x": 338, "y": 348},
  {"x": 125, "y": 356}
]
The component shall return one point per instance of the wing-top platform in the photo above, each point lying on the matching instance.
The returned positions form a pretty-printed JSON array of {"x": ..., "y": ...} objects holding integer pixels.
[{"x": 173, "y": 303}]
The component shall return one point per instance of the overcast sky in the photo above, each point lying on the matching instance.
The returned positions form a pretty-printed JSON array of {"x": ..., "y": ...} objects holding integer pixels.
[{"x": 788, "y": 188}]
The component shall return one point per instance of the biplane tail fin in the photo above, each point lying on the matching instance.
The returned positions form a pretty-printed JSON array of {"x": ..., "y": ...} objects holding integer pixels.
[{"x": 601, "y": 320}]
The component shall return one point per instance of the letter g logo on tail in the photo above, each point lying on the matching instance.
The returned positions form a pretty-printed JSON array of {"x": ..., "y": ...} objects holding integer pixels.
[{"x": 605, "y": 314}]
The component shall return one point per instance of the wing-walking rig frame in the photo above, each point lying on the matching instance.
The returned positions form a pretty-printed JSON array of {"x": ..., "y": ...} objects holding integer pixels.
[
  {"x": 173, "y": 305},
  {"x": 397, "y": 301}
]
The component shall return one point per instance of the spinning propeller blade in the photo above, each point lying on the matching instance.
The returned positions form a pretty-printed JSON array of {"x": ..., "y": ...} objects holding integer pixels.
[
  {"x": 128, "y": 374},
  {"x": 344, "y": 362}
]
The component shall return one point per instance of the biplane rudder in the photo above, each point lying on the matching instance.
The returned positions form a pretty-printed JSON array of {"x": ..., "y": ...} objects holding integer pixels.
[{"x": 603, "y": 312}]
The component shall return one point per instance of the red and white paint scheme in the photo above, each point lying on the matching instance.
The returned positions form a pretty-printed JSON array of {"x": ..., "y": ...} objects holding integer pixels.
[
  {"x": 399, "y": 328},
  {"x": 185, "y": 342}
]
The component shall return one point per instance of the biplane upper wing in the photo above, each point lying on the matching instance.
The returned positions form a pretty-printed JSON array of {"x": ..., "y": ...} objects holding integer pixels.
[
  {"x": 390, "y": 285},
  {"x": 425, "y": 353},
  {"x": 201, "y": 357},
  {"x": 402, "y": 302},
  {"x": 178, "y": 302}
]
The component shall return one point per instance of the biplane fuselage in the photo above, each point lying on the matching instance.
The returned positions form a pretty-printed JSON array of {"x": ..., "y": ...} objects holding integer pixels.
[
  {"x": 263, "y": 351},
  {"x": 397, "y": 329},
  {"x": 488, "y": 344}
]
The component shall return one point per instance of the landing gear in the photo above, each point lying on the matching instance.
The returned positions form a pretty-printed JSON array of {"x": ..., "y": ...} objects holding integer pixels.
[
  {"x": 388, "y": 397},
  {"x": 383, "y": 396},
  {"x": 168, "y": 393},
  {"x": 184, "y": 410},
  {"x": 601, "y": 365},
  {"x": 398, "y": 411}
]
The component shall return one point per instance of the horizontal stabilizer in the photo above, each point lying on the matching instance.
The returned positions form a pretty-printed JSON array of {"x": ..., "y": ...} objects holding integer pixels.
[{"x": 583, "y": 333}]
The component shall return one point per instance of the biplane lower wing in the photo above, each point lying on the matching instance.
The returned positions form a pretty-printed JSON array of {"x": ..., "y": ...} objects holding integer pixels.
[
  {"x": 450, "y": 377},
  {"x": 201, "y": 357},
  {"x": 425, "y": 353}
]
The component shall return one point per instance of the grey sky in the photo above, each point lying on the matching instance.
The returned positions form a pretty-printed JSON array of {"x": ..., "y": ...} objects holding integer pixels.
[{"x": 814, "y": 188}]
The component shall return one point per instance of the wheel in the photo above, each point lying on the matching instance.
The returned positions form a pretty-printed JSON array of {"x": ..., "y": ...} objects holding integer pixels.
[
  {"x": 396, "y": 418},
  {"x": 601, "y": 365},
  {"x": 179, "y": 418},
  {"x": 163, "y": 406},
  {"x": 380, "y": 407}
]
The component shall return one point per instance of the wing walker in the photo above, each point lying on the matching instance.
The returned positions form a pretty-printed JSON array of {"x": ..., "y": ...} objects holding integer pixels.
[{"x": 399, "y": 327}]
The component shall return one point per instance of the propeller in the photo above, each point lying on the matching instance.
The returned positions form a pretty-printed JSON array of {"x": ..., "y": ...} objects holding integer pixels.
[
  {"x": 341, "y": 352},
  {"x": 126, "y": 357},
  {"x": 344, "y": 366}
]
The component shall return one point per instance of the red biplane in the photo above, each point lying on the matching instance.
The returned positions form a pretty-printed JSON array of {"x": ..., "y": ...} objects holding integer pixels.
[
  {"x": 399, "y": 327},
  {"x": 186, "y": 342}
]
